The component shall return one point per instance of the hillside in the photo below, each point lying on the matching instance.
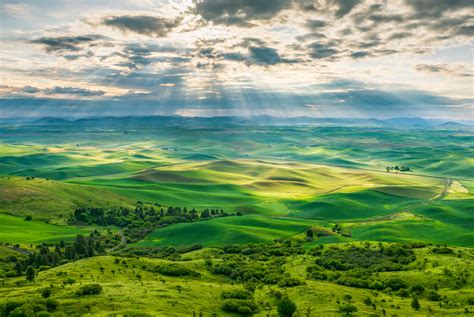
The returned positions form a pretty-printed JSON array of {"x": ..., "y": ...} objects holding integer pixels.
[{"x": 48, "y": 199}]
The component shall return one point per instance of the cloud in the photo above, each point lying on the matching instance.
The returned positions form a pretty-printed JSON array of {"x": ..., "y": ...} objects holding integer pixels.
[
  {"x": 319, "y": 50},
  {"x": 451, "y": 70},
  {"x": 239, "y": 12},
  {"x": 436, "y": 8},
  {"x": 345, "y": 6},
  {"x": 69, "y": 47},
  {"x": 66, "y": 43},
  {"x": 360, "y": 54},
  {"x": 30, "y": 89},
  {"x": 73, "y": 91},
  {"x": 142, "y": 24}
]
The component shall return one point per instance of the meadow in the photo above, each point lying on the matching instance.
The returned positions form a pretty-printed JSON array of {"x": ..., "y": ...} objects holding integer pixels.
[{"x": 137, "y": 184}]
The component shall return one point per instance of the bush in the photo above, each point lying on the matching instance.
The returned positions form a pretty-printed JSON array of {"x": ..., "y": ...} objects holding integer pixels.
[
  {"x": 240, "y": 306},
  {"x": 175, "y": 270},
  {"x": 90, "y": 289},
  {"x": 286, "y": 307},
  {"x": 289, "y": 281},
  {"x": 347, "y": 308},
  {"x": 46, "y": 292},
  {"x": 395, "y": 283},
  {"x": 69, "y": 281},
  {"x": 415, "y": 304},
  {"x": 417, "y": 289},
  {"x": 434, "y": 296}
]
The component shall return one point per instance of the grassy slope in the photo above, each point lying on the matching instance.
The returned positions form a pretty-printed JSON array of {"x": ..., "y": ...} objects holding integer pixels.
[
  {"x": 17, "y": 230},
  {"x": 224, "y": 231},
  {"x": 44, "y": 199},
  {"x": 125, "y": 293}
]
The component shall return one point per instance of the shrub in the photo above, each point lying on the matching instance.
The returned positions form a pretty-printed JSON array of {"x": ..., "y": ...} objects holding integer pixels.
[
  {"x": 415, "y": 304},
  {"x": 240, "y": 306},
  {"x": 417, "y": 289},
  {"x": 46, "y": 292},
  {"x": 434, "y": 296},
  {"x": 69, "y": 281},
  {"x": 175, "y": 270},
  {"x": 395, "y": 283},
  {"x": 347, "y": 308},
  {"x": 286, "y": 307},
  {"x": 90, "y": 289},
  {"x": 289, "y": 281}
]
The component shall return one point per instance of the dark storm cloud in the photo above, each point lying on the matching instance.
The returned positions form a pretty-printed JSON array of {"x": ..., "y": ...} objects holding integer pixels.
[
  {"x": 73, "y": 91},
  {"x": 66, "y": 43},
  {"x": 239, "y": 12},
  {"x": 142, "y": 24}
]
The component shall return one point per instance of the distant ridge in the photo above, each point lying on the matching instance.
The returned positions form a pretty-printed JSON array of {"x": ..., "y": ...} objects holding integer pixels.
[{"x": 133, "y": 122}]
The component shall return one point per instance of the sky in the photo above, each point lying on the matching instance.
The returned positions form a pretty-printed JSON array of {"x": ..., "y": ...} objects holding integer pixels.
[{"x": 286, "y": 58}]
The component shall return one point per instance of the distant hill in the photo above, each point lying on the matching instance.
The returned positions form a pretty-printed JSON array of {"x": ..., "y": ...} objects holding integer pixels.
[
  {"x": 454, "y": 126},
  {"x": 137, "y": 122}
]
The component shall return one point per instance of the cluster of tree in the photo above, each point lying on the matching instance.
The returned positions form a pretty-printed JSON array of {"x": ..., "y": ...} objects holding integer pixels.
[
  {"x": 176, "y": 270},
  {"x": 170, "y": 253},
  {"x": 139, "y": 222},
  {"x": 262, "y": 263},
  {"x": 51, "y": 255},
  {"x": 398, "y": 168},
  {"x": 123, "y": 217},
  {"x": 31, "y": 307}
]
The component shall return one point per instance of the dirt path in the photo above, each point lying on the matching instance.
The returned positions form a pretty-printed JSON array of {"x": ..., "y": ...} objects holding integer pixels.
[{"x": 123, "y": 243}]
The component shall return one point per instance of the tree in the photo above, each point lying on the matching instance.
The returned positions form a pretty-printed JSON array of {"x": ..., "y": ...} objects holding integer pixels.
[
  {"x": 415, "y": 304},
  {"x": 286, "y": 307},
  {"x": 309, "y": 234},
  {"x": 46, "y": 293},
  {"x": 28, "y": 218},
  {"x": 30, "y": 274}
]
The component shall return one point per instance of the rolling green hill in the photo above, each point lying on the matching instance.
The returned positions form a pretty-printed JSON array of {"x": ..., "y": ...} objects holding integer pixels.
[
  {"x": 17, "y": 230},
  {"x": 224, "y": 231},
  {"x": 45, "y": 199}
]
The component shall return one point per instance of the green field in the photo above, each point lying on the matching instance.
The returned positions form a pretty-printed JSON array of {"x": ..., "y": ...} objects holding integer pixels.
[
  {"x": 329, "y": 174},
  {"x": 17, "y": 230},
  {"x": 225, "y": 231}
]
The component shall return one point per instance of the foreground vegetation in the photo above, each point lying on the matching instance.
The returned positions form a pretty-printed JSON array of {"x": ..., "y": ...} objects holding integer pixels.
[{"x": 254, "y": 279}]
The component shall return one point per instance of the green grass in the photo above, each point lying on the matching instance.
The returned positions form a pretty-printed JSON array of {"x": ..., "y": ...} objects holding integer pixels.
[
  {"x": 45, "y": 199},
  {"x": 416, "y": 230},
  {"x": 17, "y": 230},
  {"x": 224, "y": 231},
  {"x": 357, "y": 205}
]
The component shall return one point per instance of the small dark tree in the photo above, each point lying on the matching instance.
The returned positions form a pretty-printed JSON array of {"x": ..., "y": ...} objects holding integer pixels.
[
  {"x": 415, "y": 304},
  {"x": 28, "y": 218},
  {"x": 46, "y": 293},
  {"x": 309, "y": 234},
  {"x": 286, "y": 307},
  {"x": 30, "y": 274}
]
